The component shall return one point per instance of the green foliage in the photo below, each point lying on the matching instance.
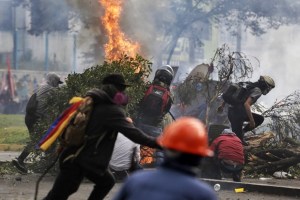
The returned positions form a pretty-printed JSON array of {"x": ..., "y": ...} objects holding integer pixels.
[{"x": 135, "y": 70}]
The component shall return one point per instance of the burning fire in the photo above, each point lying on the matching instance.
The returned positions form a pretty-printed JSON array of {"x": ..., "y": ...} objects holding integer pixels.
[
  {"x": 117, "y": 43},
  {"x": 147, "y": 156}
]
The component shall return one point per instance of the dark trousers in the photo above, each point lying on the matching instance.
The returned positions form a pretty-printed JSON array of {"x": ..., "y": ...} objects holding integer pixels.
[
  {"x": 212, "y": 168},
  {"x": 70, "y": 177},
  {"x": 30, "y": 122},
  {"x": 237, "y": 116}
]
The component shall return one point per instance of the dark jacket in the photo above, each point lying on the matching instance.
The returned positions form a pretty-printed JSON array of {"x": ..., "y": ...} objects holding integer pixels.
[{"x": 107, "y": 118}]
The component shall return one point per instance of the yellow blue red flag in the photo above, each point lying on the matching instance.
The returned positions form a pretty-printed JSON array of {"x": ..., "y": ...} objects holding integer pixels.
[{"x": 59, "y": 125}]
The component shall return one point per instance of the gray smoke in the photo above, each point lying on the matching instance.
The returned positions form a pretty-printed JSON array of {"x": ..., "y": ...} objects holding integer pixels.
[{"x": 277, "y": 51}]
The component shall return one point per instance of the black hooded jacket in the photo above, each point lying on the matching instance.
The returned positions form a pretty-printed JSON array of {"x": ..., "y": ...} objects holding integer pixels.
[{"x": 107, "y": 118}]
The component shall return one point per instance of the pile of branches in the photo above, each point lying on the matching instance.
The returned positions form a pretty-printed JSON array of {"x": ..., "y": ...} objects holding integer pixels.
[
  {"x": 264, "y": 156},
  {"x": 277, "y": 148}
]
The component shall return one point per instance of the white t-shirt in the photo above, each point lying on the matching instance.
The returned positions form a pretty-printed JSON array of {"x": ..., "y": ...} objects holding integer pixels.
[{"x": 122, "y": 155}]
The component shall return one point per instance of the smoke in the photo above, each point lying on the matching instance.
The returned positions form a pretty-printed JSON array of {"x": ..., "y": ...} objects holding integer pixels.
[
  {"x": 141, "y": 21},
  {"x": 277, "y": 51},
  {"x": 144, "y": 22}
]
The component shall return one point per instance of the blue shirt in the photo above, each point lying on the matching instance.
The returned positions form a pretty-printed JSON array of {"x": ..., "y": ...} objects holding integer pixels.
[{"x": 164, "y": 184}]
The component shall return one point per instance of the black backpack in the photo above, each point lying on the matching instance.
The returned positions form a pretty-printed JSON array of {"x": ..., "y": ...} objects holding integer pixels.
[
  {"x": 32, "y": 105},
  {"x": 30, "y": 115},
  {"x": 237, "y": 93}
]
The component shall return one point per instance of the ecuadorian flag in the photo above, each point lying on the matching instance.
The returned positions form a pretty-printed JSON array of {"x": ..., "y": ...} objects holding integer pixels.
[{"x": 59, "y": 125}]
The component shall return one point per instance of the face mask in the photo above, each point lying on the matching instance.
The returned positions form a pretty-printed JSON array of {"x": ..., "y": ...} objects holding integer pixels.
[
  {"x": 120, "y": 98},
  {"x": 266, "y": 90}
]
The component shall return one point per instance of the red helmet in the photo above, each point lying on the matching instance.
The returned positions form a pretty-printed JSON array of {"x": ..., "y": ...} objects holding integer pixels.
[{"x": 187, "y": 135}]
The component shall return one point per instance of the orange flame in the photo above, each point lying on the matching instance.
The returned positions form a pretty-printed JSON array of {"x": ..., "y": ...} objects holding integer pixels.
[
  {"x": 117, "y": 43},
  {"x": 147, "y": 156}
]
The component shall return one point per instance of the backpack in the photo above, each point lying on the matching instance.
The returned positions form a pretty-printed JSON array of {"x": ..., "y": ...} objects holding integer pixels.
[
  {"x": 30, "y": 114},
  {"x": 70, "y": 126},
  {"x": 32, "y": 105},
  {"x": 74, "y": 132},
  {"x": 155, "y": 101},
  {"x": 237, "y": 93}
]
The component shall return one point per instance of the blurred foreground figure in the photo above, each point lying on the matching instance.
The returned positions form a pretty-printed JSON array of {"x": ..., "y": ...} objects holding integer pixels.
[
  {"x": 36, "y": 111},
  {"x": 91, "y": 159},
  {"x": 185, "y": 143},
  {"x": 228, "y": 157}
]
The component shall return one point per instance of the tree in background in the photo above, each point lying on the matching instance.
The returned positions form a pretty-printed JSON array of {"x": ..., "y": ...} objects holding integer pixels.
[
  {"x": 282, "y": 117},
  {"x": 165, "y": 22},
  {"x": 257, "y": 16},
  {"x": 46, "y": 16},
  {"x": 225, "y": 67}
]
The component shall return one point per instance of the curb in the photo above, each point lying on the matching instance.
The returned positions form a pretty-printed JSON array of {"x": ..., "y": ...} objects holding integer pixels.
[{"x": 254, "y": 187}]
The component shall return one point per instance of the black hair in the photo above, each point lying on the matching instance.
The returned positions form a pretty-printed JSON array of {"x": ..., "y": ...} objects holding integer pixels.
[
  {"x": 110, "y": 89},
  {"x": 121, "y": 88},
  {"x": 186, "y": 159}
]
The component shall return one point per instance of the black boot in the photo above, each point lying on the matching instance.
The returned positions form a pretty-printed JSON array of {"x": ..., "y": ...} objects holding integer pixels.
[
  {"x": 236, "y": 176},
  {"x": 19, "y": 162}
]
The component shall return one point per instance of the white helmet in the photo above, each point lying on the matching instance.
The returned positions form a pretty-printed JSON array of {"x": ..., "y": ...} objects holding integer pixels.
[
  {"x": 268, "y": 80},
  {"x": 165, "y": 74},
  {"x": 168, "y": 68},
  {"x": 267, "y": 83}
]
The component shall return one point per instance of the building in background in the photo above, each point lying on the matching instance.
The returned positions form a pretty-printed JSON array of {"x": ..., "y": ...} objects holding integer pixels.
[{"x": 52, "y": 51}]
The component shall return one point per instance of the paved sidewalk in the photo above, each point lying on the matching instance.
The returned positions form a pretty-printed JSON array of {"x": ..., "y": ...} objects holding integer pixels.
[
  {"x": 22, "y": 187},
  {"x": 8, "y": 155}
]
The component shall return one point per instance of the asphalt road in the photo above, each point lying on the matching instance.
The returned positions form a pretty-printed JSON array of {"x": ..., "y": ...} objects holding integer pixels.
[{"x": 22, "y": 187}]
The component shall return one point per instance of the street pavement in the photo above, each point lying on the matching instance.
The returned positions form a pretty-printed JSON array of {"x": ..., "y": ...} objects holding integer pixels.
[
  {"x": 22, "y": 187},
  {"x": 8, "y": 155}
]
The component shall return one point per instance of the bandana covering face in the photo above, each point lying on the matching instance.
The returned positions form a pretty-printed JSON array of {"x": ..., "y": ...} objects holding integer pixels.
[{"x": 120, "y": 98}]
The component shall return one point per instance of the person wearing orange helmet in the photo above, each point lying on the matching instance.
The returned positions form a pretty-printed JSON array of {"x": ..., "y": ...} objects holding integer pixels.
[{"x": 185, "y": 143}]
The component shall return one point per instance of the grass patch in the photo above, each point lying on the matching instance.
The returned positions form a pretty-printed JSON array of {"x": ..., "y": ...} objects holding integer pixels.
[
  {"x": 13, "y": 130},
  {"x": 12, "y": 120},
  {"x": 11, "y": 147},
  {"x": 14, "y": 135}
]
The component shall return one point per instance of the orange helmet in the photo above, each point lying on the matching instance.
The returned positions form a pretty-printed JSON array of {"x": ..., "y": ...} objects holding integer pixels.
[{"x": 187, "y": 135}]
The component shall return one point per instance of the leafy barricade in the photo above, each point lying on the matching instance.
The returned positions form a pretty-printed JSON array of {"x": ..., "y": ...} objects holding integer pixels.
[
  {"x": 135, "y": 70},
  {"x": 199, "y": 96}
]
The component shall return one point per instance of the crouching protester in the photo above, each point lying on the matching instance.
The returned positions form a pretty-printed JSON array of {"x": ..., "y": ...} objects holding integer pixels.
[
  {"x": 228, "y": 157},
  {"x": 91, "y": 162},
  {"x": 185, "y": 143}
]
